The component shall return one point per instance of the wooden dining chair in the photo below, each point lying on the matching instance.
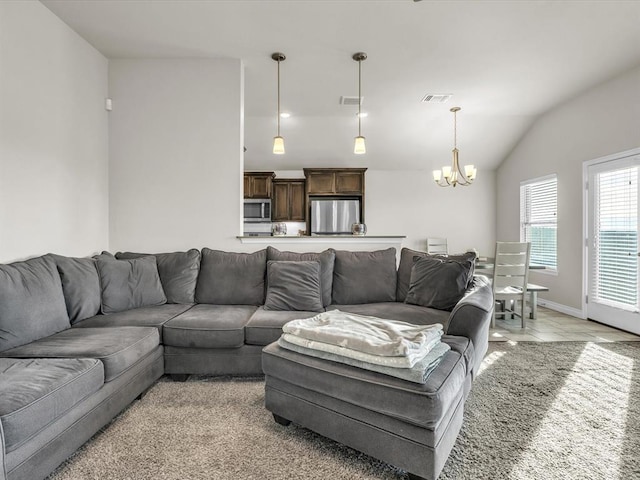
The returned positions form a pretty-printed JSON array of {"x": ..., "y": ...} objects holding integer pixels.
[
  {"x": 437, "y": 246},
  {"x": 510, "y": 275}
]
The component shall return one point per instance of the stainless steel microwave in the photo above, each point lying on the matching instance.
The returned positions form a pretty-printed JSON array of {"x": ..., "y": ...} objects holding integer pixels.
[{"x": 257, "y": 210}]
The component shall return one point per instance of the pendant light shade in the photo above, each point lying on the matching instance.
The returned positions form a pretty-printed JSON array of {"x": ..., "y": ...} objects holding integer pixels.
[
  {"x": 359, "y": 146},
  {"x": 278, "y": 141},
  {"x": 278, "y": 145}
]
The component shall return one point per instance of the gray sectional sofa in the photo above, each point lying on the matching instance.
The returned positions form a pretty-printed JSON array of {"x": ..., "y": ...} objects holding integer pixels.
[{"x": 81, "y": 338}]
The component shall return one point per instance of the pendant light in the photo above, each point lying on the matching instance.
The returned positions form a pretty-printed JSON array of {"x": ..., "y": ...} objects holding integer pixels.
[
  {"x": 359, "y": 147},
  {"x": 278, "y": 141},
  {"x": 452, "y": 176}
]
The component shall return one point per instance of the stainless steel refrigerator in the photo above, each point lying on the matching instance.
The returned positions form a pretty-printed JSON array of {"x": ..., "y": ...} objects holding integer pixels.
[{"x": 333, "y": 216}]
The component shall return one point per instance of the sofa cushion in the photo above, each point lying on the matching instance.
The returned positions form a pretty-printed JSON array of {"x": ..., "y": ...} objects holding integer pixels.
[
  {"x": 81, "y": 286},
  {"x": 438, "y": 282},
  {"x": 209, "y": 326},
  {"x": 293, "y": 286},
  {"x": 31, "y": 302},
  {"x": 364, "y": 277},
  {"x": 119, "y": 348},
  {"x": 36, "y": 392},
  {"x": 403, "y": 312},
  {"x": 138, "y": 317},
  {"x": 128, "y": 284},
  {"x": 265, "y": 326},
  {"x": 406, "y": 264},
  {"x": 228, "y": 278},
  {"x": 326, "y": 259},
  {"x": 424, "y": 405},
  {"x": 178, "y": 273}
]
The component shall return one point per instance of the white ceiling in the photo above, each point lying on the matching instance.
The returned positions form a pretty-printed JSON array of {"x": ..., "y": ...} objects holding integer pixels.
[{"x": 505, "y": 62}]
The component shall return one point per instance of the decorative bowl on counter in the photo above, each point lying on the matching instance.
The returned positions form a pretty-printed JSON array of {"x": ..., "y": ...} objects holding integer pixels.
[
  {"x": 359, "y": 229},
  {"x": 279, "y": 229}
]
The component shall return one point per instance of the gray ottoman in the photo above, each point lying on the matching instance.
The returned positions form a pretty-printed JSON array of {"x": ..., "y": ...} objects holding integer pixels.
[{"x": 405, "y": 424}]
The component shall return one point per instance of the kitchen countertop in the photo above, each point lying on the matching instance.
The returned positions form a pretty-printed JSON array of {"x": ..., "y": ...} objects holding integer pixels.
[{"x": 377, "y": 239}]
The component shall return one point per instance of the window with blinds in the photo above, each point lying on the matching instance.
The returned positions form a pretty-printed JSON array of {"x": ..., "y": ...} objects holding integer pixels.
[
  {"x": 615, "y": 243},
  {"x": 538, "y": 219}
]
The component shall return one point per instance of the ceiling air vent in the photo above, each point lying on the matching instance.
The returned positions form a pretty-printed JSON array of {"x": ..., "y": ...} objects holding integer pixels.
[
  {"x": 436, "y": 97},
  {"x": 350, "y": 100}
]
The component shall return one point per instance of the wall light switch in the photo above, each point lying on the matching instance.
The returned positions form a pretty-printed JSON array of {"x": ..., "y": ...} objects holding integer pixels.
[{"x": 108, "y": 104}]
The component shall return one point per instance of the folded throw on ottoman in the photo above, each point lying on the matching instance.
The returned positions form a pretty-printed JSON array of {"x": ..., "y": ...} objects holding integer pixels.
[
  {"x": 419, "y": 373},
  {"x": 366, "y": 334},
  {"x": 395, "y": 348}
]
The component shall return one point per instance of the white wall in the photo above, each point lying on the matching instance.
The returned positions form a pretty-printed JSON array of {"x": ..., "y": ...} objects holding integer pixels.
[
  {"x": 53, "y": 137},
  {"x": 602, "y": 121},
  {"x": 176, "y": 163},
  {"x": 407, "y": 202},
  {"x": 410, "y": 203}
]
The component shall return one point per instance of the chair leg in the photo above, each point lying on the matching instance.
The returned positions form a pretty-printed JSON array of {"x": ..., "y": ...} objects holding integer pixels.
[{"x": 523, "y": 317}]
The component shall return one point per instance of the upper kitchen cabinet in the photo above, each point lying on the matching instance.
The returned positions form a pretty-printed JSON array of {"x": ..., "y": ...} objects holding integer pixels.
[
  {"x": 288, "y": 200},
  {"x": 335, "y": 181},
  {"x": 258, "y": 184}
]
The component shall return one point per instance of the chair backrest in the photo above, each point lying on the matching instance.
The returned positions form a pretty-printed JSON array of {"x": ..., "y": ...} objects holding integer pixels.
[
  {"x": 511, "y": 265},
  {"x": 437, "y": 245}
]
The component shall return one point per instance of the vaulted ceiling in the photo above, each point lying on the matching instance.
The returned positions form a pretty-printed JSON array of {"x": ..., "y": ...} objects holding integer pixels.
[{"x": 504, "y": 62}]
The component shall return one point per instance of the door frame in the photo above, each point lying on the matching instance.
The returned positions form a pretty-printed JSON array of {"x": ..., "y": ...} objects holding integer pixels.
[{"x": 586, "y": 221}]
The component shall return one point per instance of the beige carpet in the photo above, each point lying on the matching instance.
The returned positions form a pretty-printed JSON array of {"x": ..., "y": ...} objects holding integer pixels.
[{"x": 537, "y": 411}]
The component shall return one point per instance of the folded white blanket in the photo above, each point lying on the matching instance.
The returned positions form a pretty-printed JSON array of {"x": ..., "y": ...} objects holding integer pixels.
[
  {"x": 376, "y": 336},
  {"x": 408, "y": 361},
  {"x": 419, "y": 373}
]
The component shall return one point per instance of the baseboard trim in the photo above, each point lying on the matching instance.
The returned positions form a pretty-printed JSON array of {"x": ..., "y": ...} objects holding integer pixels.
[{"x": 558, "y": 307}]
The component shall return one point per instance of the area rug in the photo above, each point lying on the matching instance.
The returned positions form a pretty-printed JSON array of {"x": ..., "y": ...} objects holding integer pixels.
[{"x": 536, "y": 411}]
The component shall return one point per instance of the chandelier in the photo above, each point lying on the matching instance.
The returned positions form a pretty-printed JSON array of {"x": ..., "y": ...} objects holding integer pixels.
[{"x": 452, "y": 176}]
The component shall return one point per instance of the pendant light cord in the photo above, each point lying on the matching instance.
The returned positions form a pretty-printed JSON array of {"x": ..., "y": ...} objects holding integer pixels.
[{"x": 359, "y": 96}]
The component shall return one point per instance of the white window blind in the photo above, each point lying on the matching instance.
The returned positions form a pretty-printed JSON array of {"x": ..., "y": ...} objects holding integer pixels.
[
  {"x": 538, "y": 219},
  {"x": 615, "y": 265}
]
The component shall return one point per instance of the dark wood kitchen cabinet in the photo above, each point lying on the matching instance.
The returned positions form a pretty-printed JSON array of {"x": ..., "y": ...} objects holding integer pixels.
[
  {"x": 288, "y": 200},
  {"x": 258, "y": 184},
  {"x": 335, "y": 181}
]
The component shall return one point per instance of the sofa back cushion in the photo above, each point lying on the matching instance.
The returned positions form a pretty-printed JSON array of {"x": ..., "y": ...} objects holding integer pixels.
[
  {"x": 326, "y": 259},
  {"x": 364, "y": 277},
  {"x": 31, "y": 302},
  {"x": 178, "y": 273},
  {"x": 406, "y": 264},
  {"x": 81, "y": 286},
  {"x": 228, "y": 278},
  {"x": 128, "y": 284},
  {"x": 294, "y": 285}
]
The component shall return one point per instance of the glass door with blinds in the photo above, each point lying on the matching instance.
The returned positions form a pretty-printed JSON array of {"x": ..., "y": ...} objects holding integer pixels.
[{"x": 612, "y": 243}]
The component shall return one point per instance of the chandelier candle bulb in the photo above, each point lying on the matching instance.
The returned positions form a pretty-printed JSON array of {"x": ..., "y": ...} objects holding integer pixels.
[{"x": 469, "y": 171}]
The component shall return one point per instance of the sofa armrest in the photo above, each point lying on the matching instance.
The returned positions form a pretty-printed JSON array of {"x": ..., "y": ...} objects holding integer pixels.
[{"x": 471, "y": 317}]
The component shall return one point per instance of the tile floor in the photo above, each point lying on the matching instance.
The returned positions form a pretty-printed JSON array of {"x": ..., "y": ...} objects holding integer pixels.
[{"x": 552, "y": 326}]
